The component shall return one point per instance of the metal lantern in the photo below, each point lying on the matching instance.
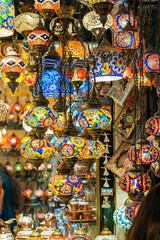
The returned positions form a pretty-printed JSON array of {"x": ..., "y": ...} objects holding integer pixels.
[
  {"x": 134, "y": 182},
  {"x": 132, "y": 210},
  {"x": 7, "y": 14},
  {"x": 143, "y": 153},
  {"x": 47, "y": 8},
  {"x": 120, "y": 218}
]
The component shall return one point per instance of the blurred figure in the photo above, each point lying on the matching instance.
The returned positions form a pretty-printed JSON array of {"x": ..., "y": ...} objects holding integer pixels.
[
  {"x": 11, "y": 200},
  {"x": 146, "y": 225}
]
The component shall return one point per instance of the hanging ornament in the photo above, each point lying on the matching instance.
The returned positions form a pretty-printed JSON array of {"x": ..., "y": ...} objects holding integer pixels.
[
  {"x": 120, "y": 218},
  {"x": 47, "y": 8},
  {"x": 12, "y": 66},
  {"x": 132, "y": 210},
  {"x": 134, "y": 182}
]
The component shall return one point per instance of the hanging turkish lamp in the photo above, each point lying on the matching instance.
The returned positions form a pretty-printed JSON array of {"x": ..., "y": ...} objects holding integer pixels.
[
  {"x": 91, "y": 21},
  {"x": 47, "y": 8},
  {"x": 40, "y": 116},
  {"x": 143, "y": 153},
  {"x": 27, "y": 106},
  {"x": 25, "y": 22},
  {"x": 155, "y": 168},
  {"x": 39, "y": 39},
  {"x": 127, "y": 39},
  {"x": 73, "y": 48},
  {"x": 120, "y": 218},
  {"x": 95, "y": 119},
  {"x": 12, "y": 66},
  {"x": 7, "y": 14},
  {"x": 17, "y": 106},
  {"x": 92, "y": 150},
  {"x": 31, "y": 73},
  {"x": 132, "y": 210},
  {"x": 59, "y": 124},
  {"x": 78, "y": 74},
  {"x": 109, "y": 63},
  {"x": 121, "y": 19},
  {"x": 13, "y": 140},
  {"x": 60, "y": 26},
  {"x": 36, "y": 148},
  {"x": 135, "y": 183},
  {"x": 69, "y": 145},
  {"x": 63, "y": 184}
]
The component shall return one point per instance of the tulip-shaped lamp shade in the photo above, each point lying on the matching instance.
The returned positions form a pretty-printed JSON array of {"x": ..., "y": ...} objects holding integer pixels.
[{"x": 7, "y": 14}]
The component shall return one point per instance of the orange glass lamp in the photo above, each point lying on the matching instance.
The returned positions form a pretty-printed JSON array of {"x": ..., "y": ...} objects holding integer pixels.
[
  {"x": 47, "y": 8},
  {"x": 73, "y": 48},
  {"x": 39, "y": 39},
  {"x": 12, "y": 66},
  {"x": 13, "y": 140}
]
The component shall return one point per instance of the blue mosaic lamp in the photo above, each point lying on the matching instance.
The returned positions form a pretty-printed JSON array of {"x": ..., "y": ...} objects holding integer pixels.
[
  {"x": 110, "y": 63},
  {"x": 120, "y": 218},
  {"x": 7, "y": 14}
]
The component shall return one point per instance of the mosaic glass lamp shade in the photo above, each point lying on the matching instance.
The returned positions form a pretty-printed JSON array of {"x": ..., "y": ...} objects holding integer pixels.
[
  {"x": 12, "y": 63},
  {"x": 143, "y": 153},
  {"x": 127, "y": 39},
  {"x": 151, "y": 62},
  {"x": 7, "y": 14},
  {"x": 59, "y": 26},
  {"x": 65, "y": 184},
  {"x": 39, "y": 38},
  {"x": 133, "y": 182},
  {"x": 120, "y": 218},
  {"x": 155, "y": 168},
  {"x": 132, "y": 210},
  {"x": 39, "y": 117},
  {"x": 53, "y": 82},
  {"x": 36, "y": 148},
  {"x": 91, "y": 20},
  {"x": 59, "y": 124},
  {"x": 47, "y": 8},
  {"x": 73, "y": 48},
  {"x": 121, "y": 20},
  {"x": 68, "y": 146},
  {"x": 110, "y": 63},
  {"x": 92, "y": 150},
  {"x": 93, "y": 119},
  {"x": 24, "y": 23},
  {"x": 152, "y": 126}
]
